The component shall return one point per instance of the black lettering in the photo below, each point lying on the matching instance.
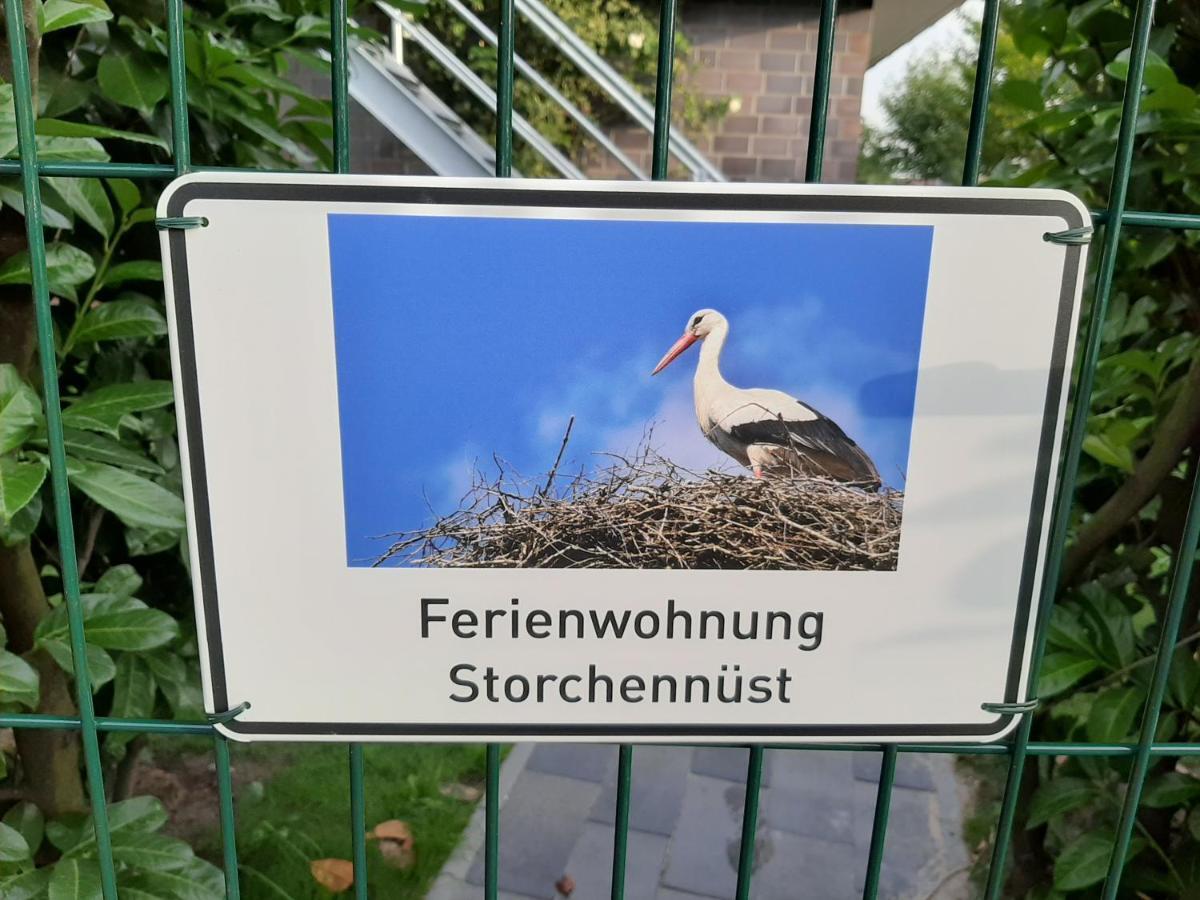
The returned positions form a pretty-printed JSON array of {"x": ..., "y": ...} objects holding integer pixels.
[
  {"x": 809, "y": 627},
  {"x": 648, "y": 615},
  {"x": 463, "y": 623},
  {"x": 784, "y": 680},
  {"x": 669, "y": 681},
  {"x": 562, "y": 688},
  {"x": 602, "y": 626},
  {"x": 787, "y": 624},
  {"x": 705, "y": 615},
  {"x": 471, "y": 687},
  {"x": 508, "y": 688},
  {"x": 563, "y": 615},
  {"x": 594, "y": 679},
  {"x": 543, "y": 622},
  {"x": 426, "y": 617},
  {"x": 672, "y": 615},
  {"x": 761, "y": 684},
  {"x": 630, "y": 683}
]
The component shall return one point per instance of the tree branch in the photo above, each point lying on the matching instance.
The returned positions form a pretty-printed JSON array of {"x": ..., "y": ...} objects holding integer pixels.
[{"x": 1170, "y": 441}]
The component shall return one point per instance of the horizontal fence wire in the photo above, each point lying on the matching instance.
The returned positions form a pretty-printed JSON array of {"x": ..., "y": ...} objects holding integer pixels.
[{"x": 1113, "y": 218}]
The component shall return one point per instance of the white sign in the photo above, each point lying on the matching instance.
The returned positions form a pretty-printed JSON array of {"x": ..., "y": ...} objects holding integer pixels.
[{"x": 436, "y": 493}]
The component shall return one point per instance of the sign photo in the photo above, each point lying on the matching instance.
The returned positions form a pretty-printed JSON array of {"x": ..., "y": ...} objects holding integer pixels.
[{"x": 562, "y": 460}]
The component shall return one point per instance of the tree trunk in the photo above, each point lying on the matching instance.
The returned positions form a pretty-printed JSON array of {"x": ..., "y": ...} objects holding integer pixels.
[{"x": 49, "y": 759}]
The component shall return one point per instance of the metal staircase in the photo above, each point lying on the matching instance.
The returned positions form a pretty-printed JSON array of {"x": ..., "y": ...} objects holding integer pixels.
[{"x": 417, "y": 117}]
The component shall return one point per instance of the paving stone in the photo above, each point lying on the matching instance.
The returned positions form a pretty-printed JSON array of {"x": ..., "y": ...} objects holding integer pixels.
[
  {"x": 656, "y": 796},
  {"x": 728, "y": 763},
  {"x": 912, "y": 770},
  {"x": 910, "y": 844},
  {"x": 590, "y": 864},
  {"x": 804, "y": 867},
  {"x": 821, "y": 811},
  {"x": 590, "y": 762},
  {"x": 539, "y": 826},
  {"x": 800, "y": 769},
  {"x": 666, "y": 893},
  {"x": 698, "y": 860}
]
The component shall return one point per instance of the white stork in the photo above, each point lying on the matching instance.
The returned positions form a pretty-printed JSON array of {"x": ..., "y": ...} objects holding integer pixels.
[{"x": 766, "y": 430}]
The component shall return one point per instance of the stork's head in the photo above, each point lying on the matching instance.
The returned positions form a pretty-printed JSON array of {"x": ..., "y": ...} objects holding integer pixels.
[{"x": 700, "y": 325}]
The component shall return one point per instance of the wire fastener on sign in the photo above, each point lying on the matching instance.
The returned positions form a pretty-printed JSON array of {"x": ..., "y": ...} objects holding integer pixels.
[
  {"x": 1072, "y": 236},
  {"x": 1010, "y": 709},
  {"x": 229, "y": 715},
  {"x": 182, "y": 222}
]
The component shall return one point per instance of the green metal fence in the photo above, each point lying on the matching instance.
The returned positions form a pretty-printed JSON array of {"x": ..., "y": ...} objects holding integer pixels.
[{"x": 1109, "y": 223}]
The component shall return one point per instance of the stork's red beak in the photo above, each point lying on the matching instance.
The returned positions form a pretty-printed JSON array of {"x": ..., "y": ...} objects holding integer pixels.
[{"x": 680, "y": 345}]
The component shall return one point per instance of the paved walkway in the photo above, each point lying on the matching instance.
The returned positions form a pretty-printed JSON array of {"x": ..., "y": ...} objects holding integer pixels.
[{"x": 815, "y": 817}]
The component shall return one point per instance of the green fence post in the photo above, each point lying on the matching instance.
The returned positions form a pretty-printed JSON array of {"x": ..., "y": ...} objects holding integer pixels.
[
  {"x": 819, "y": 114},
  {"x": 879, "y": 826},
  {"x": 228, "y": 820},
  {"x": 982, "y": 90},
  {"x": 621, "y": 820},
  {"x": 664, "y": 84},
  {"x": 31, "y": 189},
  {"x": 1118, "y": 192},
  {"x": 358, "y": 821},
  {"x": 754, "y": 773}
]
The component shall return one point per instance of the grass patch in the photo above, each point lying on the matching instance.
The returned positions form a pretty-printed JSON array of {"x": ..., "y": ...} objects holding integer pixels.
[{"x": 293, "y": 806}]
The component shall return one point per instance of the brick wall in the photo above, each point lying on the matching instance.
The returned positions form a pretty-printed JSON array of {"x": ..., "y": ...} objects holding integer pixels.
[{"x": 761, "y": 57}]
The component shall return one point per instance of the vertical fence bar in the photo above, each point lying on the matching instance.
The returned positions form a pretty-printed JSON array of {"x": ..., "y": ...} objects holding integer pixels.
[
  {"x": 506, "y": 36},
  {"x": 754, "y": 769},
  {"x": 358, "y": 821},
  {"x": 1118, "y": 193},
  {"x": 621, "y": 819},
  {"x": 181, "y": 150},
  {"x": 228, "y": 822},
  {"x": 983, "y": 88},
  {"x": 662, "y": 91},
  {"x": 883, "y": 808},
  {"x": 31, "y": 189},
  {"x": 340, "y": 77},
  {"x": 1181, "y": 581},
  {"x": 820, "y": 98},
  {"x": 491, "y": 831}
]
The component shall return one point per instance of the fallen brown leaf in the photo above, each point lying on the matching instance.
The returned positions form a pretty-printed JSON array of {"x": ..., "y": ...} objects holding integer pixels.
[
  {"x": 396, "y": 844},
  {"x": 335, "y": 875}
]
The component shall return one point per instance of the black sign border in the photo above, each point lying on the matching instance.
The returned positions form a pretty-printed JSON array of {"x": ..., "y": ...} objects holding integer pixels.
[{"x": 692, "y": 197}]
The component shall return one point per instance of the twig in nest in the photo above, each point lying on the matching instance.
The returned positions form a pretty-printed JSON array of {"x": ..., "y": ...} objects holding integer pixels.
[{"x": 646, "y": 512}]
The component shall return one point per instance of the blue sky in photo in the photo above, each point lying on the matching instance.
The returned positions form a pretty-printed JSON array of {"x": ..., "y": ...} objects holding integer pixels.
[{"x": 458, "y": 338}]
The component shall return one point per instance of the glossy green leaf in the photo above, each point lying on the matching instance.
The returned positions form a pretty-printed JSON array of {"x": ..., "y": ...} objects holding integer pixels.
[
  {"x": 101, "y": 668},
  {"x": 1084, "y": 861},
  {"x": 76, "y": 879},
  {"x": 18, "y": 680},
  {"x": 1170, "y": 789},
  {"x": 1113, "y": 715},
  {"x": 267, "y": 8},
  {"x": 88, "y": 200},
  {"x": 100, "y": 448},
  {"x": 136, "y": 501},
  {"x": 59, "y": 14},
  {"x": 1062, "y": 669},
  {"x": 133, "y": 695},
  {"x": 137, "y": 815},
  {"x": 129, "y": 79},
  {"x": 55, "y": 212},
  {"x": 19, "y": 482},
  {"x": 60, "y": 128},
  {"x": 1058, "y": 796},
  {"x": 152, "y": 852},
  {"x": 135, "y": 270},
  {"x": 120, "y": 581},
  {"x": 20, "y": 409},
  {"x": 28, "y": 819},
  {"x": 198, "y": 880},
  {"x": 66, "y": 266},
  {"x": 13, "y": 846},
  {"x": 129, "y": 196},
  {"x": 119, "y": 319},
  {"x": 103, "y": 408}
]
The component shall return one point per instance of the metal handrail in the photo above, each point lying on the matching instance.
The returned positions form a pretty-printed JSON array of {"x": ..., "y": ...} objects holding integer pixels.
[
  {"x": 463, "y": 74},
  {"x": 538, "y": 80},
  {"x": 614, "y": 85}
]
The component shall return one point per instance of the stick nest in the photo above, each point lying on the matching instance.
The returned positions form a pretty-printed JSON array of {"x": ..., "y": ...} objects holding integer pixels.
[{"x": 646, "y": 512}]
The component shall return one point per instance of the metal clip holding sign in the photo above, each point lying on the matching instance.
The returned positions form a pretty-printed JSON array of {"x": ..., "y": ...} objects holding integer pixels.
[
  {"x": 228, "y": 715},
  {"x": 1010, "y": 709},
  {"x": 1074, "y": 237},
  {"x": 181, "y": 223}
]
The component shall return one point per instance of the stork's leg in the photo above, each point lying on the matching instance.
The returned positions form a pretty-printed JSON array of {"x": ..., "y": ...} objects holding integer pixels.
[{"x": 757, "y": 471}]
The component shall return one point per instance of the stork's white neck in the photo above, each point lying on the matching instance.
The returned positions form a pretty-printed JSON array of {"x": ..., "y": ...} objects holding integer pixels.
[{"x": 708, "y": 381}]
